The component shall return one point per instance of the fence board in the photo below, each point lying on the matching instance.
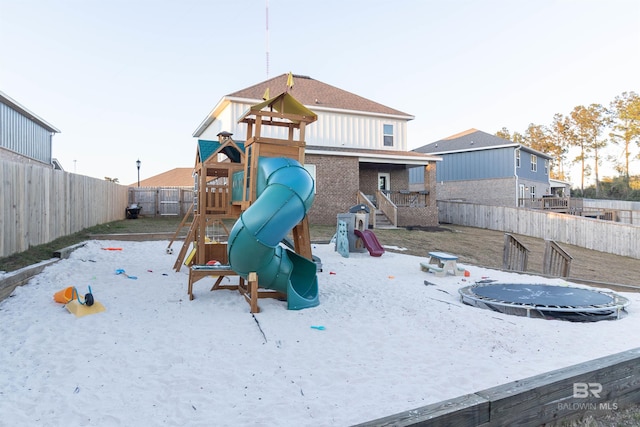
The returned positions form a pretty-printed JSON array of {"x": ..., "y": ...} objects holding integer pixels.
[
  {"x": 600, "y": 235},
  {"x": 163, "y": 201},
  {"x": 39, "y": 204}
]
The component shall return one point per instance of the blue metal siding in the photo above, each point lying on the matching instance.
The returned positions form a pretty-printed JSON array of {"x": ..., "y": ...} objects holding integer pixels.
[
  {"x": 525, "y": 172},
  {"x": 481, "y": 164},
  {"x": 416, "y": 175},
  {"x": 23, "y": 136}
]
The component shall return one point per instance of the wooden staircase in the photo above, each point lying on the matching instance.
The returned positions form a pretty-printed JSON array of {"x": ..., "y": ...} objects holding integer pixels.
[{"x": 382, "y": 221}]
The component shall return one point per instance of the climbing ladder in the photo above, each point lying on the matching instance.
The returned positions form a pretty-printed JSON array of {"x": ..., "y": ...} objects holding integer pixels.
[
  {"x": 183, "y": 224},
  {"x": 187, "y": 242}
]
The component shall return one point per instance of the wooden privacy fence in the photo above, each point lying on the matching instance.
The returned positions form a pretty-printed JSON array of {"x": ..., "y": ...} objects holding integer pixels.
[
  {"x": 605, "y": 236},
  {"x": 162, "y": 201},
  {"x": 615, "y": 210},
  {"x": 39, "y": 204}
]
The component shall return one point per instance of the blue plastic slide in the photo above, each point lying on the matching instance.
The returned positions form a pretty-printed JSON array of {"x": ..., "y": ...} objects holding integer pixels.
[{"x": 284, "y": 194}]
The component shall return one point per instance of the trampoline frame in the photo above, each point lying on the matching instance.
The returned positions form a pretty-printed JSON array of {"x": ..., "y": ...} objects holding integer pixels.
[{"x": 590, "y": 312}]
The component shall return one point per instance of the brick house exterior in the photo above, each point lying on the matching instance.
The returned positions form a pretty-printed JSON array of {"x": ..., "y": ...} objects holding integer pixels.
[{"x": 356, "y": 147}]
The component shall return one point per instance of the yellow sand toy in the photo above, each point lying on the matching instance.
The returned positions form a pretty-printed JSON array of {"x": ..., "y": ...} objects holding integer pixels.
[{"x": 70, "y": 297}]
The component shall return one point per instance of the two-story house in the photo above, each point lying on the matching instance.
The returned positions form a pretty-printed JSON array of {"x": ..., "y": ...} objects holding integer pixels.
[
  {"x": 483, "y": 168},
  {"x": 356, "y": 150},
  {"x": 24, "y": 137}
]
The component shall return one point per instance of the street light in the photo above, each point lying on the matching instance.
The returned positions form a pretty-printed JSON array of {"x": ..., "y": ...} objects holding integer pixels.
[{"x": 138, "y": 165}]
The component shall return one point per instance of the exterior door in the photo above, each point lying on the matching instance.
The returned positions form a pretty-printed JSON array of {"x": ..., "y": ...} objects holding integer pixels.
[{"x": 384, "y": 181}]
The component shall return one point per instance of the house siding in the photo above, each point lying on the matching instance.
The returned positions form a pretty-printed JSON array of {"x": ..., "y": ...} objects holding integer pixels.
[
  {"x": 481, "y": 164},
  {"x": 525, "y": 172},
  {"x": 23, "y": 136},
  {"x": 494, "y": 191},
  {"x": 228, "y": 121},
  {"x": 332, "y": 129},
  {"x": 336, "y": 187},
  {"x": 355, "y": 131}
]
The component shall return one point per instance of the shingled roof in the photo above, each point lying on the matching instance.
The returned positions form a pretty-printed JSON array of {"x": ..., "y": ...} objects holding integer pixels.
[
  {"x": 314, "y": 93},
  {"x": 471, "y": 140},
  {"x": 178, "y": 177}
]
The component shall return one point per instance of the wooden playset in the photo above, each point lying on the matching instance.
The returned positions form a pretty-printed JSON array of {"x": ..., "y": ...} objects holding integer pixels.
[{"x": 225, "y": 180}]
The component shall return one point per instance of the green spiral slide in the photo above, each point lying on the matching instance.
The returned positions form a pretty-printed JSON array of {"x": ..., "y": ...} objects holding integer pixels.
[{"x": 284, "y": 194}]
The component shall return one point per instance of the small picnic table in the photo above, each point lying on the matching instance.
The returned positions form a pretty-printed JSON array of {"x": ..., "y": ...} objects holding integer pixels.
[{"x": 442, "y": 263}]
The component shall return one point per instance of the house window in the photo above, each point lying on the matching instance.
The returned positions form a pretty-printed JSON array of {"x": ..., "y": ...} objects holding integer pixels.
[
  {"x": 533, "y": 192},
  {"x": 546, "y": 167},
  {"x": 534, "y": 163},
  {"x": 388, "y": 135},
  {"x": 517, "y": 158}
]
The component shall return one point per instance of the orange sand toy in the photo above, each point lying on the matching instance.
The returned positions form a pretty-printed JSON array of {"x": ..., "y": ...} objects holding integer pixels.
[
  {"x": 69, "y": 296},
  {"x": 64, "y": 296}
]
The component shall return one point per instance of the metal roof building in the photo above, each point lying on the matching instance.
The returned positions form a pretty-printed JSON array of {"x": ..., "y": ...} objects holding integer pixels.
[{"x": 24, "y": 135}]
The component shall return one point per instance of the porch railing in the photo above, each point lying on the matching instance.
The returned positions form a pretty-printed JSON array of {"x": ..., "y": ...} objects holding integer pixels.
[
  {"x": 364, "y": 200},
  {"x": 406, "y": 198},
  {"x": 387, "y": 207},
  {"x": 575, "y": 206},
  {"x": 549, "y": 203}
]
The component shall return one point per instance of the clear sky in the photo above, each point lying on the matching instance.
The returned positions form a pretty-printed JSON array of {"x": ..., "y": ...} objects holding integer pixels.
[{"x": 129, "y": 79}]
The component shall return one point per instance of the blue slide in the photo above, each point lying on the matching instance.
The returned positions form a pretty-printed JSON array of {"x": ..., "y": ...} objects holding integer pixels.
[{"x": 284, "y": 194}]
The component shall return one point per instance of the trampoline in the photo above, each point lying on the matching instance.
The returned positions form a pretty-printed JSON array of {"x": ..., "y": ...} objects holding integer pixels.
[{"x": 546, "y": 301}]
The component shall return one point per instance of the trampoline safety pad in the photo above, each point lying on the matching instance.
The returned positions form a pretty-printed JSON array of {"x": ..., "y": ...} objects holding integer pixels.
[{"x": 546, "y": 301}]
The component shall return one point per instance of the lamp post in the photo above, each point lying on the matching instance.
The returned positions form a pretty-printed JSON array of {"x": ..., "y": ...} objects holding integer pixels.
[{"x": 138, "y": 165}]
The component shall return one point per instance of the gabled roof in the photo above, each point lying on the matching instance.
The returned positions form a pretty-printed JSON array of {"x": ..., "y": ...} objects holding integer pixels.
[
  {"x": 472, "y": 140},
  {"x": 8, "y": 101},
  {"x": 232, "y": 149},
  {"x": 178, "y": 177},
  {"x": 314, "y": 94},
  {"x": 285, "y": 104}
]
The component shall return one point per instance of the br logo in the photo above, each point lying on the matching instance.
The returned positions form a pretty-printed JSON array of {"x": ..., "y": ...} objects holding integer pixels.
[{"x": 583, "y": 390}]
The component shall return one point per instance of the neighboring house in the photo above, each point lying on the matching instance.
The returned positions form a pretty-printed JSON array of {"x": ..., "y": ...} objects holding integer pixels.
[
  {"x": 166, "y": 194},
  {"x": 25, "y": 137},
  {"x": 356, "y": 148},
  {"x": 177, "y": 177},
  {"x": 560, "y": 188},
  {"x": 483, "y": 168}
]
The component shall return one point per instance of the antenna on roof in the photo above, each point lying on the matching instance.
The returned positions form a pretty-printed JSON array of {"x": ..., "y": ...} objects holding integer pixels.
[{"x": 267, "y": 34}]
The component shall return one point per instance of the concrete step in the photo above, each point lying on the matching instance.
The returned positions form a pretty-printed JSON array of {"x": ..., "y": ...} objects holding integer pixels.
[{"x": 382, "y": 221}]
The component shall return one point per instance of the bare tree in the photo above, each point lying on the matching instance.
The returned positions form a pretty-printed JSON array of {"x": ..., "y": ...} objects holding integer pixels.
[
  {"x": 515, "y": 137},
  {"x": 563, "y": 137},
  {"x": 625, "y": 116},
  {"x": 589, "y": 122}
]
